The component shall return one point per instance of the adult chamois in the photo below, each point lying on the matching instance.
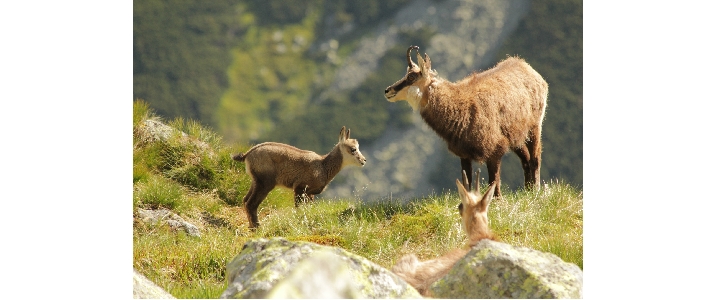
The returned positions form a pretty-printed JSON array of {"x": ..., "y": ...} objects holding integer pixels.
[
  {"x": 304, "y": 172},
  {"x": 482, "y": 116}
]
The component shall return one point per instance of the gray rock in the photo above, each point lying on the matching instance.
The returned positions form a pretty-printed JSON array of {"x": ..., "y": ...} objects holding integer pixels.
[
  {"x": 157, "y": 131},
  {"x": 173, "y": 220},
  {"x": 311, "y": 277},
  {"x": 497, "y": 270},
  {"x": 154, "y": 130},
  {"x": 143, "y": 288},
  {"x": 278, "y": 268}
]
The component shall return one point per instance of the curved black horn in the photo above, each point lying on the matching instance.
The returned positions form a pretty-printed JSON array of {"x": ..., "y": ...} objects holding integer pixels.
[{"x": 408, "y": 55}]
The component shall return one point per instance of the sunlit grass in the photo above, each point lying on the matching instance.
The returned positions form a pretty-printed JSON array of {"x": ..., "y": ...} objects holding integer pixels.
[{"x": 550, "y": 220}]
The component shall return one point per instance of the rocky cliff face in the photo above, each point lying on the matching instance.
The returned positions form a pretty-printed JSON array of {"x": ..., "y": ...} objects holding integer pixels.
[{"x": 468, "y": 34}]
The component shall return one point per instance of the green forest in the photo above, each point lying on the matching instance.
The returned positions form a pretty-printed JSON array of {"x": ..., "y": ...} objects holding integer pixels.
[{"x": 251, "y": 70}]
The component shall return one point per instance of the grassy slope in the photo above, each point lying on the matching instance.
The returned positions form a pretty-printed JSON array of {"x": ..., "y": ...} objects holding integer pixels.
[{"x": 199, "y": 182}]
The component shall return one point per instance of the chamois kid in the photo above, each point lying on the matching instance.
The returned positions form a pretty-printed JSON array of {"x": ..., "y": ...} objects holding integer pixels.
[
  {"x": 482, "y": 116},
  {"x": 475, "y": 222},
  {"x": 304, "y": 172}
]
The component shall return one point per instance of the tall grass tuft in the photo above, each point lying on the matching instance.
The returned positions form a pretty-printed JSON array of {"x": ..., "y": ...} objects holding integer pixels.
[
  {"x": 550, "y": 220},
  {"x": 157, "y": 192},
  {"x": 140, "y": 112}
]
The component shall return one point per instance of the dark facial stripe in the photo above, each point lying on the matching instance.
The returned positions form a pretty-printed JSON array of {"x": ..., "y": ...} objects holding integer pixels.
[{"x": 404, "y": 83}]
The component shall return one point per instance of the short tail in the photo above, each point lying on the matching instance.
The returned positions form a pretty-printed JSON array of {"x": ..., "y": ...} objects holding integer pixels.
[{"x": 239, "y": 157}]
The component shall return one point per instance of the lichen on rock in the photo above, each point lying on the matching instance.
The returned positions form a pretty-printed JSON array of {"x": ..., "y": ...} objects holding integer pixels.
[
  {"x": 497, "y": 270},
  {"x": 278, "y": 268}
]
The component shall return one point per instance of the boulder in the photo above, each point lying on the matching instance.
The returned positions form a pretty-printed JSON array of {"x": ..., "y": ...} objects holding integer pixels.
[
  {"x": 154, "y": 130},
  {"x": 497, "y": 270},
  {"x": 143, "y": 288},
  {"x": 172, "y": 219},
  {"x": 278, "y": 268},
  {"x": 311, "y": 276}
]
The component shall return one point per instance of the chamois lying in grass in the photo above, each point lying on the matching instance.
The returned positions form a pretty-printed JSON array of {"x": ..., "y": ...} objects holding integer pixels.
[
  {"x": 482, "y": 116},
  {"x": 304, "y": 172},
  {"x": 475, "y": 222}
]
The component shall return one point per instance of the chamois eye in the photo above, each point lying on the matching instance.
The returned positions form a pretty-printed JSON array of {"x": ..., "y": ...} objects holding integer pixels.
[
  {"x": 411, "y": 77},
  {"x": 354, "y": 150}
]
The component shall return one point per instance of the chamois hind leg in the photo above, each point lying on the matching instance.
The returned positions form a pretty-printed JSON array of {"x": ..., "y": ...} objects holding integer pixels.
[
  {"x": 494, "y": 167},
  {"x": 259, "y": 190},
  {"x": 466, "y": 169},
  {"x": 534, "y": 147},
  {"x": 247, "y": 198},
  {"x": 523, "y": 153}
]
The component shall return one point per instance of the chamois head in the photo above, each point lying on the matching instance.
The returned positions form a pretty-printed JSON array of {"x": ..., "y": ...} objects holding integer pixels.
[
  {"x": 350, "y": 149},
  {"x": 474, "y": 209},
  {"x": 413, "y": 85}
]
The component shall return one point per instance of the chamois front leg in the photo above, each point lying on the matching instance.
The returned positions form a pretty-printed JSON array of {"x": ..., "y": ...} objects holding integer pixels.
[
  {"x": 494, "y": 167},
  {"x": 301, "y": 195},
  {"x": 466, "y": 169}
]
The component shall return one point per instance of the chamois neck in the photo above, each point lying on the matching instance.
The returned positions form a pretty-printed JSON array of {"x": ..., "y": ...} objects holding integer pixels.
[
  {"x": 438, "y": 104},
  {"x": 433, "y": 85},
  {"x": 333, "y": 162},
  {"x": 481, "y": 235}
]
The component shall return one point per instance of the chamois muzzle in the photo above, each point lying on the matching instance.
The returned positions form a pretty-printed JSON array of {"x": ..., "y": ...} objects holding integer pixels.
[
  {"x": 386, "y": 92},
  {"x": 360, "y": 158},
  {"x": 389, "y": 93}
]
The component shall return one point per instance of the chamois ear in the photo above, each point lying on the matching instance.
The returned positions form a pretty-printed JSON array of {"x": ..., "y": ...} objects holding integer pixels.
[
  {"x": 348, "y": 131},
  {"x": 421, "y": 62},
  {"x": 463, "y": 194},
  {"x": 488, "y": 195},
  {"x": 465, "y": 179},
  {"x": 342, "y": 136},
  {"x": 426, "y": 68}
]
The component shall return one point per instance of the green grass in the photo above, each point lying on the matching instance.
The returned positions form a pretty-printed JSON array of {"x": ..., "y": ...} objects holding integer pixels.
[{"x": 194, "y": 176}]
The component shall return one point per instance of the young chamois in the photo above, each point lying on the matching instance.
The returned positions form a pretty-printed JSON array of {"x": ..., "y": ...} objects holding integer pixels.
[
  {"x": 482, "y": 116},
  {"x": 304, "y": 172},
  {"x": 475, "y": 222}
]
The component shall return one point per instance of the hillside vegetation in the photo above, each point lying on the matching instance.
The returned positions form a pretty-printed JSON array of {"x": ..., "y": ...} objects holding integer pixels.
[{"x": 188, "y": 170}]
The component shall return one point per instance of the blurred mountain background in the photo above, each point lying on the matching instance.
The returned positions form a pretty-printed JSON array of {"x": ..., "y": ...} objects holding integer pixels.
[{"x": 296, "y": 72}]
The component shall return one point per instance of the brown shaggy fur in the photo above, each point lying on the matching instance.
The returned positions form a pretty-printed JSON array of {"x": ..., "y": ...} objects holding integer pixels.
[
  {"x": 304, "y": 172},
  {"x": 482, "y": 116},
  {"x": 475, "y": 222}
]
